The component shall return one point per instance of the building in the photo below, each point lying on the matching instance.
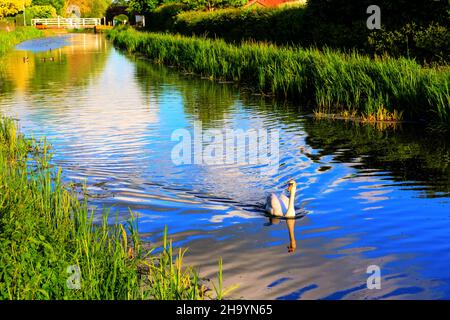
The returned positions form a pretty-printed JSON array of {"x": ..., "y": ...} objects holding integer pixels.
[{"x": 272, "y": 3}]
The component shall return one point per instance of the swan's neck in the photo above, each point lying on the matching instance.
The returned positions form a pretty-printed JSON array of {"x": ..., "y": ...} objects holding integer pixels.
[{"x": 291, "y": 210}]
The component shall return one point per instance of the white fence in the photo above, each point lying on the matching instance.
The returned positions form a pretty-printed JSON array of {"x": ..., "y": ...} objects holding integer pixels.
[{"x": 67, "y": 22}]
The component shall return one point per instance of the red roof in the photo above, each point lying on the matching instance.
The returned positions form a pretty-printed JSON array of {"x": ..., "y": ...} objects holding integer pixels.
[{"x": 267, "y": 3}]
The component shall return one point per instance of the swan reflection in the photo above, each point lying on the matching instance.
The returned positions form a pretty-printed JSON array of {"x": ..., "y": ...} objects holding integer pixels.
[{"x": 290, "y": 223}]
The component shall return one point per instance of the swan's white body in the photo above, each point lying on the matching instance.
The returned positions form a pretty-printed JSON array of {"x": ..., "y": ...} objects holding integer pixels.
[{"x": 282, "y": 205}]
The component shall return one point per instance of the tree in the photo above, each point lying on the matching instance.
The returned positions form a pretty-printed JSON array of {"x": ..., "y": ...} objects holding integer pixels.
[
  {"x": 88, "y": 8},
  {"x": 146, "y": 6},
  {"x": 115, "y": 9},
  {"x": 12, "y": 7},
  {"x": 41, "y": 12},
  {"x": 213, "y": 4},
  {"x": 57, "y": 4},
  {"x": 98, "y": 8},
  {"x": 143, "y": 6}
]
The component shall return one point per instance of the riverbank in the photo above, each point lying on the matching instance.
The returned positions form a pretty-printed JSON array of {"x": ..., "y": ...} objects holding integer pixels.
[
  {"x": 332, "y": 82},
  {"x": 9, "y": 39},
  {"x": 53, "y": 245}
]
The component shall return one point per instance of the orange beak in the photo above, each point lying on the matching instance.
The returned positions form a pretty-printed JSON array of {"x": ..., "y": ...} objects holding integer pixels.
[{"x": 290, "y": 188}]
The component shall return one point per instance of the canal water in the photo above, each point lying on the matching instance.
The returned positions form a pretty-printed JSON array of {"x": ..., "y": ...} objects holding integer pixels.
[{"x": 368, "y": 197}]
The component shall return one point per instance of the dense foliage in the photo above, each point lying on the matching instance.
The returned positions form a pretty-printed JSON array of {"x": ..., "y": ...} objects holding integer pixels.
[
  {"x": 143, "y": 6},
  {"x": 42, "y": 11},
  {"x": 334, "y": 23},
  {"x": 394, "y": 12},
  {"x": 162, "y": 18},
  {"x": 213, "y": 4},
  {"x": 88, "y": 8},
  {"x": 12, "y": 7},
  {"x": 148, "y": 6},
  {"x": 35, "y": 12},
  {"x": 57, "y": 4}
]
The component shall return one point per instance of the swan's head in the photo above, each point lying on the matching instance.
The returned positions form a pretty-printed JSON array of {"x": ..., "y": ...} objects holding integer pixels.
[{"x": 292, "y": 185}]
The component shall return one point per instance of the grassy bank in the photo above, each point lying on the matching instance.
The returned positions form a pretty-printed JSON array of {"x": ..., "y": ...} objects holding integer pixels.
[
  {"x": 331, "y": 81},
  {"x": 9, "y": 39},
  {"x": 47, "y": 231},
  {"x": 419, "y": 31}
]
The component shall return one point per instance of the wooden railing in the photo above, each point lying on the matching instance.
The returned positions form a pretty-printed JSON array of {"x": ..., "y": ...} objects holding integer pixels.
[{"x": 67, "y": 22}]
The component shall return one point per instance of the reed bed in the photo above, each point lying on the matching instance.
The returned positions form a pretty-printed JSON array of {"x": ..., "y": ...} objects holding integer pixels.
[
  {"x": 52, "y": 248},
  {"x": 334, "y": 82}
]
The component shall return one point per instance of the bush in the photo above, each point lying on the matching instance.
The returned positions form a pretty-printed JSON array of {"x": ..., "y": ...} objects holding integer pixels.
[
  {"x": 41, "y": 12},
  {"x": 57, "y": 4},
  {"x": 279, "y": 25},
  {"x": 433, "y": 41},
  {"x": 211, "y": 5},
  {"x": 394, "y": 13},
  {"x": 426, "y": 43},
  {"x": 322, "y": 24},
  {"x": 162, "y": 18},
  {"x": 35, "y": 12}
]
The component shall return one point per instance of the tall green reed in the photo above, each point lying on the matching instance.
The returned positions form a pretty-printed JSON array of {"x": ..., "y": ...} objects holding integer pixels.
[
  {"x": 47, "y": 229},
  {"x": 330, "y": 80}
]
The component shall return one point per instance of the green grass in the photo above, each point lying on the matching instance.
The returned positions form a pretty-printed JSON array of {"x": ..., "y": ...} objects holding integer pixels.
[
  {"x": 333, "y": 82},
  {"x": 9, "y": 39},
  {"x": 46, "y": 227}
]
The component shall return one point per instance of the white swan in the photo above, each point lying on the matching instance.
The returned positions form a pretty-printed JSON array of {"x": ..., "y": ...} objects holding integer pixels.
[{"x": 279, "y": 206}]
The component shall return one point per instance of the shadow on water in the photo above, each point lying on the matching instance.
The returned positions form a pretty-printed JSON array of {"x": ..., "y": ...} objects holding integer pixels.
[{"x": 410, "y": 156}]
